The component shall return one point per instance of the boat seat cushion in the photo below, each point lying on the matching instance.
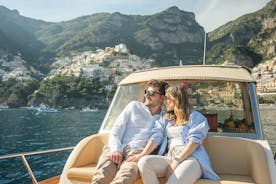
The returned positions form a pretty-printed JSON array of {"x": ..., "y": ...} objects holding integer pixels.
[
  {"x": 241, "y": 157},
  {"x": 228, "y": 179},
  {"x": 84, "y": 173},
  {"x": 241, "y": 162}
]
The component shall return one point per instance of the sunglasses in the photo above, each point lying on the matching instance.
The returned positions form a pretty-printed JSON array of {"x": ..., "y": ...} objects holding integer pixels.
[{"x": 151, "y": 92}]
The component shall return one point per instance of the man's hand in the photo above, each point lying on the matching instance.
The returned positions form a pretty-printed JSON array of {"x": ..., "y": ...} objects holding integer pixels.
[{"x": 117, "y": 157}]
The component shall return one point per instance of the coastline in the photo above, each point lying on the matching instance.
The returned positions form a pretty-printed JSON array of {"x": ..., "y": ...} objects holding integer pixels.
[{"x": 267, "y": 106}]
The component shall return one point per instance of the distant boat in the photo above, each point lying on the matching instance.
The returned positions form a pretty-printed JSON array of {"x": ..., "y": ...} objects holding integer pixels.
[
  {"x": 4, "y": 107},
  {"x": 88, "y": 109},
  {"x": 46, "y": 109}
]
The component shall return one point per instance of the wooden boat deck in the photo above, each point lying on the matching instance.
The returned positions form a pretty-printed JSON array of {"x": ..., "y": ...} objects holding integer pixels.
[{"x": 53, "y": 180}]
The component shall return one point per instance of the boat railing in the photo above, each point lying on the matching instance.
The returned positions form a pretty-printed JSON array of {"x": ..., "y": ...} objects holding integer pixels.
[{"x": 25, "y": 162}]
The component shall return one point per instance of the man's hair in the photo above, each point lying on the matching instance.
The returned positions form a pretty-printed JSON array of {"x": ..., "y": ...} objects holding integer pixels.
[{"x": 162, "y": 85}]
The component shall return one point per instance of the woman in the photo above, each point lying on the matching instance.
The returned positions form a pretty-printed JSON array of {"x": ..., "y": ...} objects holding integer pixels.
[{"x": 184, "y": 132}]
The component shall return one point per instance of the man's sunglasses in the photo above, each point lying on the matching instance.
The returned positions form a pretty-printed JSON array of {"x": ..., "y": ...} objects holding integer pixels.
[{"x": 151, "y": 92}]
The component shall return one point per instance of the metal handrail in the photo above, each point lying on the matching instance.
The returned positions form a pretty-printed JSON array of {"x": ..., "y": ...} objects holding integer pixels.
[{"x": 23, "y": 157}]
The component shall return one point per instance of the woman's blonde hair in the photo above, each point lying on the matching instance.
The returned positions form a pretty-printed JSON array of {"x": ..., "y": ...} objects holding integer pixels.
[{"x": 179, "y": 96}]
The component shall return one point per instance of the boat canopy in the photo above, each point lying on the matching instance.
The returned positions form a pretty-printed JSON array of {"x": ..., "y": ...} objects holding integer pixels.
[{"x": 192, "y": 72}]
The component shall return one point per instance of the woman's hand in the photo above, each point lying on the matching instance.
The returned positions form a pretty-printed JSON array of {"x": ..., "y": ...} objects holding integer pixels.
[
  {"x": 170, "y": 169},
  {"x": 134, "y": 158}
]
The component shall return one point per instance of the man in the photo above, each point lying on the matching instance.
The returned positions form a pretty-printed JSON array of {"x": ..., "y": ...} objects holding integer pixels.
[{"x": 136, "y": 133}]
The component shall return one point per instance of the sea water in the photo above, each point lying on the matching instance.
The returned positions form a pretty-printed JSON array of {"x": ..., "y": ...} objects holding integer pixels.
[{"x": 27, "y": 130}]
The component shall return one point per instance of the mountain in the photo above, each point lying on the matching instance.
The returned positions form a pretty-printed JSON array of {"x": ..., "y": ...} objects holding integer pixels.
[
  {"x": 246, "y": 41},
  {"x": 166, "y": 36},
  {"x": 17, "y": 34}
]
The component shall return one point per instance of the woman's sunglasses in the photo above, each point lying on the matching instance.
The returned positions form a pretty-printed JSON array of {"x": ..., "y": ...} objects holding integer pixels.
[{"x": 151, "y": 92}]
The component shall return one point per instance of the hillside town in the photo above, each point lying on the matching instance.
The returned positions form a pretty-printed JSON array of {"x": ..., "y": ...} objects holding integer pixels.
[
  {"x": 112, "y": 64},
  {"x": 15, "y": 67},
  {"x": 265, "y": 74},
  {"x": 105, "y": 64}
]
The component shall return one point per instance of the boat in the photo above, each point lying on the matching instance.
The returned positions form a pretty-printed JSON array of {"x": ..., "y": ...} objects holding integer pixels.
[
  {"x": 225, "y": 94},
  {"x": 88, "y": 109},
  {"x": 45, "y": 110},
  {"x": 4, "y": 106}
]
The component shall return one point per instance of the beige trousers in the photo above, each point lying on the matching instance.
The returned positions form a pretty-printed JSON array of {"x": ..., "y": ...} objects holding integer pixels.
[{"x": 109, "y": 173}]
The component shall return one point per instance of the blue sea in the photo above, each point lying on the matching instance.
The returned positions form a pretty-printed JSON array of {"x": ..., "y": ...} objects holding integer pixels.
[{"x": 26, "y": 130}]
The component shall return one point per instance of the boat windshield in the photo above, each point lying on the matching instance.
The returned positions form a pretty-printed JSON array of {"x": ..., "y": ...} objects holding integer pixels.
[
  {"x": 226, "y": 105},
  {"x": 123, "y": 96}
]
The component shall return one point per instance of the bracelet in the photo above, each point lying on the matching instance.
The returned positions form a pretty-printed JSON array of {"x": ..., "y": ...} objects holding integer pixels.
[{"x": 177, "y": 159}]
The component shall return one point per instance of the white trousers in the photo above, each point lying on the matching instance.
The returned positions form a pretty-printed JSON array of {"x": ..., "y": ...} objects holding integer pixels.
[{"x": 153, "y": 166}]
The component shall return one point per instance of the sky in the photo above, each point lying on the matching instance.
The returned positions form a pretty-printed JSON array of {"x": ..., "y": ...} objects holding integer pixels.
[{"x": 209, "y": 13}]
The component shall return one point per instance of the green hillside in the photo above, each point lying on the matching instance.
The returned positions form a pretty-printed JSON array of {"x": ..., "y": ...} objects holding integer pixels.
[{"x": 246, "y": 41}]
